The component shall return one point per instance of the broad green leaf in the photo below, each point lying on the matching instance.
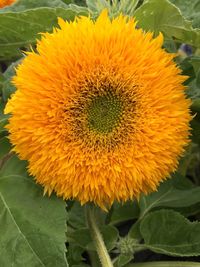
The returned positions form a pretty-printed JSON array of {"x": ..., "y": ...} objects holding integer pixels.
[
  {"x": 190, "y": 9},
  {"x": 186, "y": 7},
  {"x": 27, "y": 26},
  {"x": 134, "y": 231},
  {"x": 12, "y": 165},
  {"x": 32, "y": 227},
  {"x": 124, "y": 212},
  {"x": 168, "y": 232},
  {"x": 76, "y": 215},
  {"x": 189, "y": 211},
  {"x": 162, "y": 16},
  {"x": 22, "y": 5},
  {"x": 83, "y": 238},
  {"x": 175, "y": 193}
]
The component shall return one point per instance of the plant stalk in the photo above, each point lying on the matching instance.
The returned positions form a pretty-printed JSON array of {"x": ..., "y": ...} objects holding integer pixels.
[{"x": 97, "y": 238}]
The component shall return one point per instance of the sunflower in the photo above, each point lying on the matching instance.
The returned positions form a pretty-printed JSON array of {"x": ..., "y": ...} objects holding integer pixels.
[
  {"x": 100, "y": 111},
  {"x": 4, "y": 3}
]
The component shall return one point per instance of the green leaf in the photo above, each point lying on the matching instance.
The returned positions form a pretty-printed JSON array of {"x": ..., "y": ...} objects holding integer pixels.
[
  {"x": 1, "y": 82},
  {"x": 122, "y": 260},
  {"x": 7, "y": 90},
  {"x": 162, "y": 16},
  {"x": 168, "y": 232},
  {"x": 74, "y": 254},
  {"x": 190, "y": 9},
  {"x": 27, "y": 26},
  {"x": 83, "y": 238},
  {"x": 175, "y": 193},
  {"x": 134, "y": 231},
  {"x": 22, "y": 5},
  {"x": 32, "y": 227},
  {"x": 12, "y": 165},
  {"x": 189, "y": 211},
  {"x": 195, "y": 61},
  {"x": 3, "y": 121},
  {"x": 193, "y": 92},
  {"x": 5, "y": 147},
  {"x": 170, "y": 46},
  {"x": 124, "y": 212},
  {"x": 76, "y": 215}
]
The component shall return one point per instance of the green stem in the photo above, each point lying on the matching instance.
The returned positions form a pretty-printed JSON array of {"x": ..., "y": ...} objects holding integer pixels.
[
  {"x": 97, "y": 238},
  {"x": 164, "y": 264}
]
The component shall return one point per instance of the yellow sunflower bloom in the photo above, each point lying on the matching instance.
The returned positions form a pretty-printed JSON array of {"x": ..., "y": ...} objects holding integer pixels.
[
  {"x": 100, "y": 111},
  {"x": 4, "y": 3}
]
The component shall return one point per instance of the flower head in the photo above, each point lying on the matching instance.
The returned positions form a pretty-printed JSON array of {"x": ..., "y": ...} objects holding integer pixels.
[
  {"x": 4, "y": 3},
  {"x": 99, "y": 112}
]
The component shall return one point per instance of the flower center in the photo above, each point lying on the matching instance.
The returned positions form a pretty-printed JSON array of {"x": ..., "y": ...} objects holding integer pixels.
[{"x": 104, "y": 113}]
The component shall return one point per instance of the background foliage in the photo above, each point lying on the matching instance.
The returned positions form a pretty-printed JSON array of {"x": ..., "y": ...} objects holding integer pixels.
[{"x": 33, "y": 228}]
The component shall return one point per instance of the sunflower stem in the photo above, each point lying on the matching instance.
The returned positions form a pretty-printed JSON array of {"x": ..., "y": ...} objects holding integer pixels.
[{"x": 97, "y": 238}]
